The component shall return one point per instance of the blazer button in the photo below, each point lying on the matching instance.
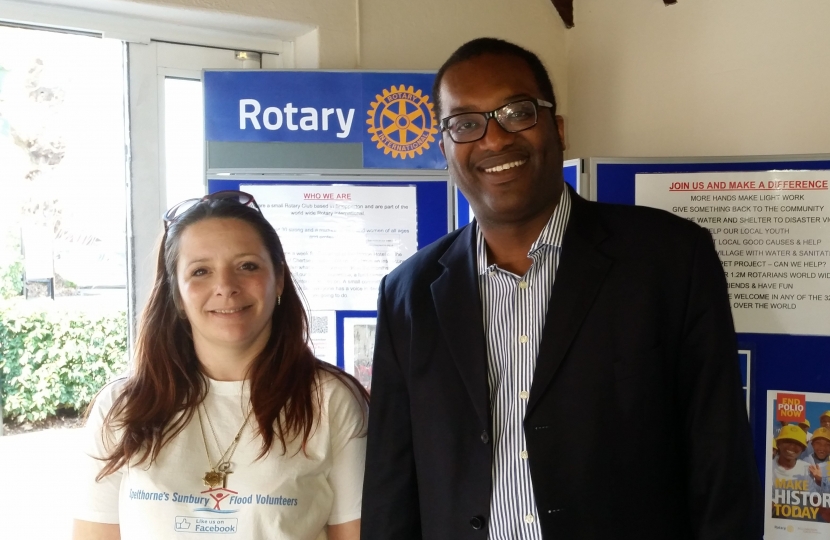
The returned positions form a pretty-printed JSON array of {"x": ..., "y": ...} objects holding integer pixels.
[
  {"x": 477, "y": 522},
  {"x": 485, "y": 438}
]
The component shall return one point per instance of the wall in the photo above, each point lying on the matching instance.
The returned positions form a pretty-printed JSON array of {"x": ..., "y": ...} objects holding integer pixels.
[
  {"x": 420, "y": 35},
  {"x": 397, "y": 34},
  {"x": 702, "y": 77},
  {"x": 335, "y": 22}
]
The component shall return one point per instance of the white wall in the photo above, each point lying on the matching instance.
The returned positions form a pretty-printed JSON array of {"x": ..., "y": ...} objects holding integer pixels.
[
  {"x": 398, "y": 34},
  {"x": 335, "y": 21},
  {"x": 404, "y": 35},
  {"x": 702, "y": 77}
]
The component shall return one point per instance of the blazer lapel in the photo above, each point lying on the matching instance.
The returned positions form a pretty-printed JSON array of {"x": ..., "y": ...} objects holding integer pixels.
[
  {"x": 579, "y": 277},
  {"x": 458, "y": 305}
]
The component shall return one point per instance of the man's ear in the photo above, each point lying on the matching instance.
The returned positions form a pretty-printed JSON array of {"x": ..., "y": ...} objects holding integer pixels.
[
  {"x": 560, "y": 127},
  {"x": 441, "y": 146}
]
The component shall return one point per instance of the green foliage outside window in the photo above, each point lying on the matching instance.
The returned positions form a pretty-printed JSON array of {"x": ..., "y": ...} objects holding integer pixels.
[
  {"x": 53, "y": 360},
  {"x": 11, "y": 280}
]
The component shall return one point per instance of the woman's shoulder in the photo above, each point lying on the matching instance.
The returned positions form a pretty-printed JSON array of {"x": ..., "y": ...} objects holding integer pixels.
[
  {"x": 106, "y": 396},
  {"x": 344, "y": 408},
  {"x": 334, "y": 381},
  {"x": 340, "y": 390}
]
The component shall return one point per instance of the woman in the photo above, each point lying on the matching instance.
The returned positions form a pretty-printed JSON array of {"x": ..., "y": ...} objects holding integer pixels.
[{"x": 228, "y": 423}]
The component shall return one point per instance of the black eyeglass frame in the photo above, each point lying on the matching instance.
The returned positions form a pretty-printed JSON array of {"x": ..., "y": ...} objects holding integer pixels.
[
  {"x": 444, "y": 125},
  {"x": 245, "y": 199}
]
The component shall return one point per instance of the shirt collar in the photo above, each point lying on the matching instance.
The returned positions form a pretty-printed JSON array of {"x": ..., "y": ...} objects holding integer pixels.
[{"x": 551, "y": 234}]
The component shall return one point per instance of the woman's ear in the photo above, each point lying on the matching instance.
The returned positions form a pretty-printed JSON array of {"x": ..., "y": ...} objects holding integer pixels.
[{"x": 279, "y": 280}]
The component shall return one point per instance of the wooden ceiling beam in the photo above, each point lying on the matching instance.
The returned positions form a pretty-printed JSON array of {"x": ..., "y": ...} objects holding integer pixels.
[{"x": 566, "y": 11}]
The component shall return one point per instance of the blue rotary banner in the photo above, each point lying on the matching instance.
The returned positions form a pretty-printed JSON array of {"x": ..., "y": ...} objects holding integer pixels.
[{"x": 390, "y": 114}]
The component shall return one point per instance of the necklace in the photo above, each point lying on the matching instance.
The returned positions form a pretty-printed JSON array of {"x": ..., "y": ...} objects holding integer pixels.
[{"x": 218, "y": 474}]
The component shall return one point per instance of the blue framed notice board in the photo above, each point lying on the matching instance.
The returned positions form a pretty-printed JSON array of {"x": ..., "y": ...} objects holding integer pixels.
[
  {"x": 346, "y": 166},
  {"x": 345, "y": 319},
  {"x": 768, "y": 218}
]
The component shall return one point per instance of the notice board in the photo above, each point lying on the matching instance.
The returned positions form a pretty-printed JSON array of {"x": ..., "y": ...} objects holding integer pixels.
[
  {"x": 770, "y": 222},
  {"x": 341, "y": 235},
  {"x": 347, "y": 168}
]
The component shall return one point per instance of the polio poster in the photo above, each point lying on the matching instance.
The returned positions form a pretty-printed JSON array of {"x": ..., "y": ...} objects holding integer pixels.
[
  {"x": 340, "y": 240},
  {"x": 772, "y": 233},
  {"x": 797, "y": 491}
]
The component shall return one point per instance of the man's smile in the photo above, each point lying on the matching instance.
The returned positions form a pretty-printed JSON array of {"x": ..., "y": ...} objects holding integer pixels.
[{"x": 506, "y": 166}]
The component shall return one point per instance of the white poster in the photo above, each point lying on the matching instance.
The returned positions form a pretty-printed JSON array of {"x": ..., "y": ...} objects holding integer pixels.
[
  {"x": 772, "y": 234},
  {"x": 340, "y": 240},
  {"x": 797, "y": 490},
  {"x": 359, "y": 348},
  {"x": 322, "y": 333}
]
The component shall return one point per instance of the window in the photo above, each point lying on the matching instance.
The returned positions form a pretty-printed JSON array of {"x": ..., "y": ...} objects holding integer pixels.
[
  {"x": 63, "y": 254},
  {"x": 83, "y": 194}
]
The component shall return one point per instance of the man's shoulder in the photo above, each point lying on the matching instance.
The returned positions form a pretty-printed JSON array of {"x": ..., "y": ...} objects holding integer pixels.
[
  {"x": 642, "y": 227},
  {"x": 423, "y": 266}
]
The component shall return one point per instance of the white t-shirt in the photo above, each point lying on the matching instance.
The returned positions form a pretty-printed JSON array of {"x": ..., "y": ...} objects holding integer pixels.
[
  {"x": 800, "y": 471},
  {"x": 281, "y": 496}
]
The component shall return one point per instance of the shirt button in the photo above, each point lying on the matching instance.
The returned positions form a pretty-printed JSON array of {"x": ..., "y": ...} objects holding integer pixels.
[
  {"x": 523, "y": 284},
  {"x": 523, "y": 394},
  {"x": 529, "y": 518},
  {"x": 523, "y": 339},
  {"x": 484, "y": 437},
  {"x": 524, "y": 454}
]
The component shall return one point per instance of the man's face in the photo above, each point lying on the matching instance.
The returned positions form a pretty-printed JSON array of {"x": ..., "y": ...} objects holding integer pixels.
[
  {"x": 532, "y": 181},
  {"x": 825, "y": 421},
  {"x": 803, "y": 427},
  {"x": 821, "y": 448}
]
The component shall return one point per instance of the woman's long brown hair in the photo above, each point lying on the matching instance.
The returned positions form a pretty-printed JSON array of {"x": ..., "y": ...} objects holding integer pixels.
[{"x": 161, "y": 395}]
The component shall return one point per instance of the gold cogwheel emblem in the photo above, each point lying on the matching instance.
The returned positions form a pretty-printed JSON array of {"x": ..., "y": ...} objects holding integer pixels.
[{"x": 401, "y": 122}]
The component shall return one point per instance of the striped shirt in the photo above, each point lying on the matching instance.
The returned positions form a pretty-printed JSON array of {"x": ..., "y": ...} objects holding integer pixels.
[{"x": 514, "y": 317}]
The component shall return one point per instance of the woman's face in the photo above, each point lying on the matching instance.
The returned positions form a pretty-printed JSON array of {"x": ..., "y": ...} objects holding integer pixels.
[{"x": 228, "y": 285}]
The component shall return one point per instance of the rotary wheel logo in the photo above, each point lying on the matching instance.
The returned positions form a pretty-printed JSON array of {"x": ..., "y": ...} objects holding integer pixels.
[{"x": 401, "y": 122}]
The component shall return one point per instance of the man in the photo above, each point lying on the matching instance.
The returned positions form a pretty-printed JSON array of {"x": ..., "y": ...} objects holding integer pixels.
[
  {"x": 824, "y": 419},
  {"x": 528, "y": 366}
]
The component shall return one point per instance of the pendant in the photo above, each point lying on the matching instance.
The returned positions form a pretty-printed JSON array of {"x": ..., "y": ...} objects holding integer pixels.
[
  {"x": 225, "y": 470},
  {"x": 214, "y": 479}
]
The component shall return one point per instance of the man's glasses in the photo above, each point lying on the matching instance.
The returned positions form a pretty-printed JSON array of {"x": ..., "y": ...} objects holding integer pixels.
[
  {"x": 177, "y": 211},
  {"x": 513, "y": 117}
]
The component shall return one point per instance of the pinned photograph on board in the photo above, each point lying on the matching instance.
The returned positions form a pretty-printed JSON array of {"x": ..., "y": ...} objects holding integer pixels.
[
  {"x": 798, "y": 456},
  {"x": 359, "y": 348}
]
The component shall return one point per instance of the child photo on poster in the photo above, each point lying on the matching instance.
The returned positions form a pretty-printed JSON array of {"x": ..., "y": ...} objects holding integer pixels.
[{"x": 797, "y": 482}]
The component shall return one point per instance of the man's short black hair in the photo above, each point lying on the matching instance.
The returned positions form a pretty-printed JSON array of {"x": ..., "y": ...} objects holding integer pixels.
[{"x": 480, "y": 46}]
